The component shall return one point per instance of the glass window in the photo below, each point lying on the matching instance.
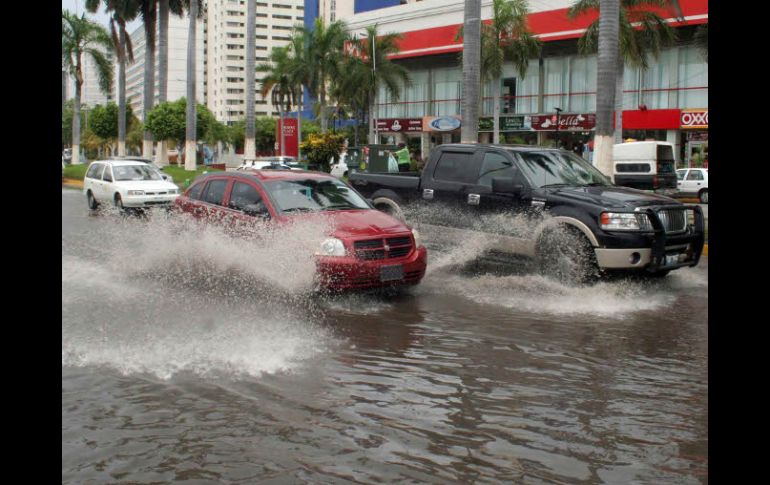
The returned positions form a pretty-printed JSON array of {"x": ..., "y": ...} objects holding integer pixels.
[
  {"x": 94, "y": 169},
  {"x": 243, "y": 194},
  {"x": 215, "y": 191},
  {"x": 680, "y": 174},
  {"x": 658, "y": 80},
  {"x": 195, "y": 191},
  {"x": 695, "y": 175},
  {"x": 135, "y": 172},
  {"x": 582, "y": 82},
  {"x": 556, "y": 83},
  {"x": 552, "y": 169},
  {"x": 447, "y": 91},
  {"x": 494, "y": 165},
  {"x": 694, "y": 75},
  {"x": 416, "y": 95},
  {"x": 632, "y": 167},
  {"x": 107, "y": 175},
  {"x": 452, "y": 167},
  {"x": 311, "y": 195}
]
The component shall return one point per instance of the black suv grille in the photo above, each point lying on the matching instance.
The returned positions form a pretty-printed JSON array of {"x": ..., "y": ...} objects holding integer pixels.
[
  {"x": 371, "y": 249},
  {"x": 674, "y": 220}
]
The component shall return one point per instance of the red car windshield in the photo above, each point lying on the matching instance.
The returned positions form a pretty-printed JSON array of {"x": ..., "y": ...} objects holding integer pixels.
[{"x": 312, "y": 195}]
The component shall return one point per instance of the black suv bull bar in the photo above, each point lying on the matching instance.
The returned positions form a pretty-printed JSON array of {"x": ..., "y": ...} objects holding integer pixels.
[{"x": 660, "y": 238}]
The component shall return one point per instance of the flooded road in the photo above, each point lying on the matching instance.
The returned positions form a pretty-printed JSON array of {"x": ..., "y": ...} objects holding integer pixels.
[{"x": 187, "y": 356}]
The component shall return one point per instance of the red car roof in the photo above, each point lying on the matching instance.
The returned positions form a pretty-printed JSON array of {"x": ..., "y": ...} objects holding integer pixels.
[{"x": 287, "y": 174}]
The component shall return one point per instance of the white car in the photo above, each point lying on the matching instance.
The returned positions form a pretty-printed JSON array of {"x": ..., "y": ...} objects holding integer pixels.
[
  {"x": 693, "y": 182},
  {"x": 127, "y": 184},
  {"x": 339, "y": 169},
  {"x": 264, "y": 165}
]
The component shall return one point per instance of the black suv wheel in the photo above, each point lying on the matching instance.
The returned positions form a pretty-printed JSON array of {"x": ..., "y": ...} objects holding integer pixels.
[{"x": 566, "y": 255}]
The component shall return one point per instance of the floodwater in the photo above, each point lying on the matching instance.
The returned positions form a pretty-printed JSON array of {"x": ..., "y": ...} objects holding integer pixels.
[{"x": 191, "y": 357}]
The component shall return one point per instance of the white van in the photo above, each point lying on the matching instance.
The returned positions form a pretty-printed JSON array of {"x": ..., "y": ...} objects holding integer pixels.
[{"x": 645, "y": 165}]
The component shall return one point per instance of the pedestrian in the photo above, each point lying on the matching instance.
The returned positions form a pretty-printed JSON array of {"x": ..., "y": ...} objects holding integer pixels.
[{"x": 402, "y": 156}]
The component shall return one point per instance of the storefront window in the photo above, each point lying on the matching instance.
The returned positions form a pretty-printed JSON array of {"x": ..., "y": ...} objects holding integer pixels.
[
  {"x": 447, "y": 90},
  {"x": 583, "y": 81},
  {"x": 526, "y": 88},
  {"x": 657, "y": 80},
  {"x": 556, "y": 82},
  {"x": 416, "y": 95},
  {"x": 694, "y": 75}
]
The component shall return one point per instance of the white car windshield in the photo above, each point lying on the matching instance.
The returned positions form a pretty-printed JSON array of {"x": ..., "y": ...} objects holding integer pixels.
[
  {"x": 311, "y": 195},
  {"x": 135, "y": 172}
]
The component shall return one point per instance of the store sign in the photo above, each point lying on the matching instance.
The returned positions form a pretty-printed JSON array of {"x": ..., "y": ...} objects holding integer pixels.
[
  {"x": 567, "y": 122},
  {"x": 398, "y": 125},
  {"x": 507, "y": 123},
  {"x": 289, "y": 136},
  {"x": 694, "y": 118},
  {"x": 440, "y": 123},
  {"x": 697, "y": 136}
]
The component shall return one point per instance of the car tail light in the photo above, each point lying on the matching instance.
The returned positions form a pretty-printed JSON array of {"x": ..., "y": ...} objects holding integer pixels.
[{"x": 655, "y": 181}]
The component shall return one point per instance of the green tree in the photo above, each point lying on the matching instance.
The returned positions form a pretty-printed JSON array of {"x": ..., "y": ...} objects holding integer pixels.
[
  {"x": 506, "y": 37},
  {"x": 167, "y": 121},
  {"x": 323, "y": 147},
  {"x": 325, "y": 45},
  {"x": 82, "y": 37},
  {"x": 367, "y": 69},
  {"x": 103, "y": 120},
  {"x": 285, "y": 89},
  {"x": 642, "y": 34}
]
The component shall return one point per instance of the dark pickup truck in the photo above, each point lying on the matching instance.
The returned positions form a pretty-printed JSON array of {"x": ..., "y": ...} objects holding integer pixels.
[{"x": 545, "y": 204}]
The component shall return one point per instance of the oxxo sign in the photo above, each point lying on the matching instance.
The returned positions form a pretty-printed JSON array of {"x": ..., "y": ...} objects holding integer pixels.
[{"x": 694, "y": 118}]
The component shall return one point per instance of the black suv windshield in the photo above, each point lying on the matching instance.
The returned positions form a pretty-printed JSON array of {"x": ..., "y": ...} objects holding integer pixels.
[
  {"x": 557, "y": 168},
  {"x": 311, "y": 195}
]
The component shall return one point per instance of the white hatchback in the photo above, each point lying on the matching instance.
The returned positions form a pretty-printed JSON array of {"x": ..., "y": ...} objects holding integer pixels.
[
  {"x": 694, "y": 182},
  {"x": 127, "y": 184}
]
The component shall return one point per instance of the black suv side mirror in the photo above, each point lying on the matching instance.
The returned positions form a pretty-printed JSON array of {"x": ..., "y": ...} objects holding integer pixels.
[
  {"x": 257, "y": 210},
  {"x": 506, "y": 185}
]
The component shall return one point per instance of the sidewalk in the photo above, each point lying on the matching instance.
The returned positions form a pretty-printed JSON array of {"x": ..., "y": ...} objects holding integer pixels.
[{"x": 72, "y": 183}]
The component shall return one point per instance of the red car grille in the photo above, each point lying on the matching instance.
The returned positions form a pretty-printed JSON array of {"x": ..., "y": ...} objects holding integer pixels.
[{"x": 389, "y": 248}]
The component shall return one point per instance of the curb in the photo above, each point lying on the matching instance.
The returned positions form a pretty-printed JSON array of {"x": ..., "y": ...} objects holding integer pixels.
[
  {"x": 72, "y": 183},
  {"x": 705, "y": 251}
]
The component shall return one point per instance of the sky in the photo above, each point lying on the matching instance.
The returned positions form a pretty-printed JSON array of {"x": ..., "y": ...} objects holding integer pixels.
[{"x": 100, "y": 17}]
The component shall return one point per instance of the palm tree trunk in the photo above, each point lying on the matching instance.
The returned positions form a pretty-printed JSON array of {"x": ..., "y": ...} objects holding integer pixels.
[
  {"x": 619, "y": 101},
  {"x": 471, "y": 71},
  {"x": 283, "y": 145},
  {"x": 149, "y": 79},
  {"x": 496, "y": 89},
  {"x": 372, "y": 107},
  {"x": 162, "y": 152},
  {"x": 76, "y": 123},
  {"x": 190, "y": 162},
  {"x": 324, "y": 123},
  {"x": 606, "y": 75},
  {"x": 250, "y": 142},
  {"x": 122, "y": 98}
]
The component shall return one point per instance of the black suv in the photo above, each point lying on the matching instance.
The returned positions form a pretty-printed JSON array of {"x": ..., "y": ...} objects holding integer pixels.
[{"x": 576, "y": 223}]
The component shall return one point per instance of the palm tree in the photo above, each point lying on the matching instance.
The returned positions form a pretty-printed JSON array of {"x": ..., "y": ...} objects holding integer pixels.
[
  {"x": 281, "y": 80},
  {"x": 326, "y": 46},
  {"x": 507, "y": 37},
  {"x": 360, "y": 66},
  {"x": 191, "y": 144},
  {"x": 250, "y": 147},
  {"x": 471, "y": 71},
  {"x": 641, "y": 32},
  {"x": 149, "y": 12},
  {"x": 606, "y": 74},
  {"x": 80, "y": 36},
  {"x": 164, "y": 8},
  {"x": 122, "y": 12}
]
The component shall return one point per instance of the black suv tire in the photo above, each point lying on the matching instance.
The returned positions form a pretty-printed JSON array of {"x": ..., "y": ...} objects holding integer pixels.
[{"x": 566, "y": 255}]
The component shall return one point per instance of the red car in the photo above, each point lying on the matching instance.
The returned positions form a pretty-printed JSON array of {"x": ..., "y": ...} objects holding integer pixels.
[{"x": 365, "y": 249}]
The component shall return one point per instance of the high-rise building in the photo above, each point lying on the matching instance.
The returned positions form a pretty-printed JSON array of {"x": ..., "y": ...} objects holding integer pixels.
[
  {"x": 177, "y": 64},
  {"x": 226, "y": 68}
]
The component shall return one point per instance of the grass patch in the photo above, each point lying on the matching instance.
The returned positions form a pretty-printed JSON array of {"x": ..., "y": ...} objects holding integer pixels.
[
  {"x": 179, "y": 174},
  {"x": 75, "y": 171}
]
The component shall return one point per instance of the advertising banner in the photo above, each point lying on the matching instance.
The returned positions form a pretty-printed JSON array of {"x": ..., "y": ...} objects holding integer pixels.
[
  {"x": 694, "y": 119},
  {"x": 507, "y": 123},
  {"x": 567, "y": 122},
  {"x": 289, "y": 136},
  {"x": 398, "y": 125},
  {"x": 441, "y": 123}
]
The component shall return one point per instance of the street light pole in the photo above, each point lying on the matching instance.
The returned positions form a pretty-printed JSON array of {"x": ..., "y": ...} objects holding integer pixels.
[{"x": 374, "y": 74}]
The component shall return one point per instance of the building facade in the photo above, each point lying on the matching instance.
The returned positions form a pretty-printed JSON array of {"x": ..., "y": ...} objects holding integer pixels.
[
  {"x": 226, "y": 61},
  {"x": 668, "y": 101},
  {"x": 178, "y": 28}
]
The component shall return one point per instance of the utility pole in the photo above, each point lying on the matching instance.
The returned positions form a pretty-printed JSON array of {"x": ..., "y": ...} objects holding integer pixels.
[{"x": 469, "y": 132}]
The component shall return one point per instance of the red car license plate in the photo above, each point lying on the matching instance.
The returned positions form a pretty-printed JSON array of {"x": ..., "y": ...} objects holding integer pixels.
[{"x": 392, "y": 273}]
